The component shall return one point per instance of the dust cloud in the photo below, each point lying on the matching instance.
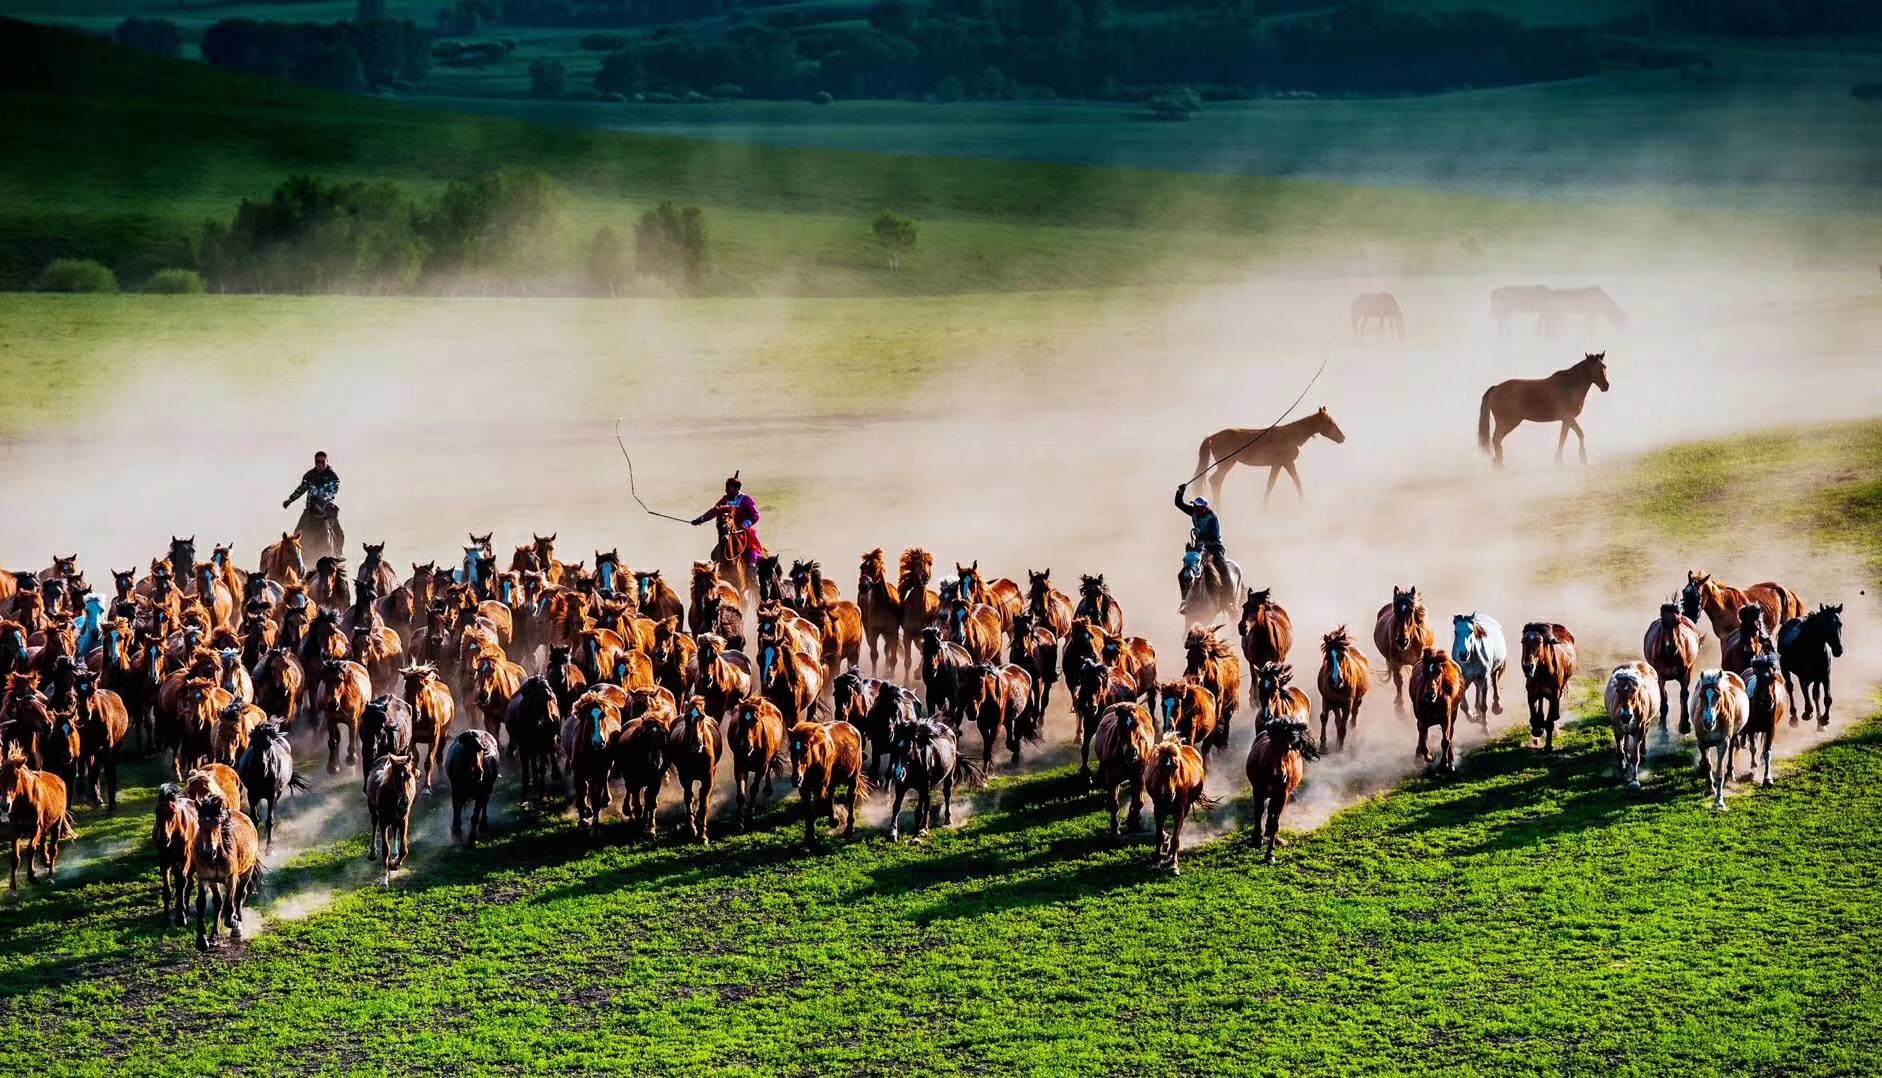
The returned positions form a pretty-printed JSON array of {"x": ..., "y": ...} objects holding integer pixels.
[{"x": 454, "y": 416}]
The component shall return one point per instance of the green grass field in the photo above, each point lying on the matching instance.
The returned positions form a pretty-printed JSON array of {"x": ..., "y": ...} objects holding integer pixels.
[{"x": 1527, "y": 917}]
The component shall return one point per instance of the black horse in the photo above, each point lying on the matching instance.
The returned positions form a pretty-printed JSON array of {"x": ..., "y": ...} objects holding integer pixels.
[
  {"x": 922, "y": 756},
  {"x": 1806, "y": 646},
  {"x": 267, "y": 773},
  {"x": 385, "y": 727}
]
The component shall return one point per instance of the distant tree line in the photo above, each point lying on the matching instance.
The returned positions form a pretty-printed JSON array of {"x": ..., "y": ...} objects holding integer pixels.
[
  {"x": 1766, "y": 17},
  {"x": 331, "y": 56},
  {"x": 1082, "y": 49}
]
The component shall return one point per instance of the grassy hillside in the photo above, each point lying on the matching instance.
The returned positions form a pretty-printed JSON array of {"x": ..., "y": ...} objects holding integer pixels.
[
  {"x": 121, "y": 157},
  {"x": 1528, "y": 917}
]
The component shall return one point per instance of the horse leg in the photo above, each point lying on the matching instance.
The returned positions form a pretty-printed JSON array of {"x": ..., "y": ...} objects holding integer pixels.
[
  {"x": 1685, "y": 715},
  {"x": 1581, "y": 440},
  {"x": 1272, "y": 830},
  {"x": 1823, "y": 713},
  {"x": 1157, "y": 814},
  {"x": 202, "y": 940},
  {"x": 1326, "y": 712},
  {"x": 1294, "y": 474},
  {"x": 1562, "y": 442},
  {"x": 1274, "y": 476},
  {"x": 333, "y": 748},
  {"x": 895, "y": 813},
  {"x": 1215, "y": 481},
  {"x": 1136, "y": 819},
  {"x": 1176, "y": 838},
  {"x": 1496, "y": 441}
]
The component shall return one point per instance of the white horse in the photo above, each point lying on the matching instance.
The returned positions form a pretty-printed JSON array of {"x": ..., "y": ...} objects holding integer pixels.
[
  {"x": 1633, "y": 699},
  {"x": 1477, "y": 645},
  {"x": 1723, "y": 708}
]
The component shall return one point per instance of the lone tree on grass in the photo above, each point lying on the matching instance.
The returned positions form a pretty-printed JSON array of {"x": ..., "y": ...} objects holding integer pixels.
[
  {"x": 1178, "y": 104},
  {"x": 670, "y": 243},
  {"x": 896, "y": 233}
]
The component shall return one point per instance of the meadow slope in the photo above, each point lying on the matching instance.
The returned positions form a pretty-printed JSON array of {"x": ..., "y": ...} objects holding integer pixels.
[{"x": 1527, "y": 917}]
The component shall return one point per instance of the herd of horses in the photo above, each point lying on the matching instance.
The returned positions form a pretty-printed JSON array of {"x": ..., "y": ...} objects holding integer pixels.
[
  {"x": 579, "y": 681},
  {"x": 1553, "y": 309}
]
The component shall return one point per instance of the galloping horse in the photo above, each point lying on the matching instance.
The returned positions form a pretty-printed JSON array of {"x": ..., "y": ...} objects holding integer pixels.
[
  {"x": 1548, "y": 667},
  {"x": 1380, "y": 307},
  {"x": 1807, "y": 645},
  {"x": 1437, "y": 695},
  {"x": 1633, "y": 698},
  {"x": 1096, "y": 605},
  {"x": 1275, "y": 767},
  {"x": 1556, "y": 399},
  {"x": 1173, "y": 777},
  {"x": 881, "y": 606},
  {"x": 1482, "y": 653},
  {"x": 1723, "y": 706},
  {"x": 1345, "y": 678},
  {"x": 921, "y": 604},
  {"x": 1671, "y": 648},
  {"x": 1275, "y": 449},
  {"x": 1722, "y": 603},
  {"x": 282, "y": 561}
]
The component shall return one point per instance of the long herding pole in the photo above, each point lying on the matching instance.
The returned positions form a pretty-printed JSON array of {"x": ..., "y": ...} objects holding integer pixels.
[{"x": 622, "y": 442}]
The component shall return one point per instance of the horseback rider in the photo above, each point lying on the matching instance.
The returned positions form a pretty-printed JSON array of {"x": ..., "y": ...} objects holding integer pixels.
[
  {"x": 737, "y": 515},
  {"x": 320, "y": 519},
  {"x": 1205, "y": 534}
]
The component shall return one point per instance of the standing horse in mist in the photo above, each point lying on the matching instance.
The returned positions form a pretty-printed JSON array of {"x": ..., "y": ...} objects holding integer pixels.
[
  {"x": 1556, "y": 399},
  {"x": 1553, "y": 307},
  {"x": 1380, "y": 307},
  {"x": 1275, "y": 449}
]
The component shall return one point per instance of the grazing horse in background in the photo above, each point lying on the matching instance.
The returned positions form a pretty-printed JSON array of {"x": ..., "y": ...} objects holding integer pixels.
[
  {"x": 1208, "y": 660},
  {"x": 1266, "y": 629},
  {"x": 922, "y": 755},
  {"x": 267, "y": 773},
  {"x": 1751, "y": 639},
  {"x": 1590, "y": 303},
  {"x": 1671, "y": 648},
  {"x": 226, "y": 859},
  {"x": 880, "y": 604},
  {"x": 174, "y": 835},
  {"x": 1048, "y": 606},
  {"x": 433, "y": 708},
  {"x": 1274, "y": 448},
  {"x": 1482, "y": 653},
  {"x": 1723, "y": 603},
  {"x": 1807, "y": 645},
  {"x": 1380, "y": 307},
  {"x": 1188, "y": 709},
  {"x": 1001, "y": 696},
  {"x": 1276, "y": 764},
  {"x": 826, "y": 757},
  {"x": 391, "y": 790},
  {"x": 1096, "y": 606},
  {"x": 921, "y": 604},
  {"x": 39, "y": 813},
  {"x": 470, "y": 765},
  {"x": 976, "y": 627},
  {"x": 1556, "y": 399},
  {"x": 1344, "y": 680},
  {"x": 1548, "y": 667},
  {"x": 1633, "y": 699},
  {"x": 756, "y": 739},
  {"x": 1035, "y": 649},
  {"x": 1766, "y": 708},
  {"x": 282, "y": 561},
  {"x": 1125, "y": 739},
  {"x": 1437, "y": 691},
  {"x": 1721, "y": 716}
]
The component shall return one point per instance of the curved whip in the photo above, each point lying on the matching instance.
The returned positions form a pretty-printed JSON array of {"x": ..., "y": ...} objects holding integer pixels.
[
  {"x": 618, "y": 440},
  {"x": 1222, "y": 459}
]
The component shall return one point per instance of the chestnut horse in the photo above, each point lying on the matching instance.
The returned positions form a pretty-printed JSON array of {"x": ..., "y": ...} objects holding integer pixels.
[
  {"x": 757, "y": 742},
  {"x": 282, "y": 561},
  {"x": 1345, "y": 679},
  {"x": 1671, "y": 648},
  {"x": 226, "y": 859},
  {"x": 694, "y": 746},
  {"x": 827, "y": 757},
  {"x": 920, "y": 604},
  {"x": 1633, "y": 699},
  {"x": 1096, "y": 688},
  {"x": 533, "y": 720},
  {"x": 1208, "y": 660},
  {"x": 880, "y": 605},
  {"x": 1750, "y": 639},
  {"x": 103, "y": 724},
  {"x": 839, "y": 623},
  {"x": 1266, "y": 630},
  {"x": 1188, "y": 709},
  {"x": 790, "y": 679},
  {"x": 1548, "y": 667},
  {"x": 976, "y": 627},
  {"x": 1274, "y": 448},
  {"x": 391, "y": 790},
  {"x": 1124, "y": 738},
  {"x": 38, "y": 810},
  {"x": 707, "y": 583},
  {"x": 1766, "y": 708},
  {"x": 1000, "y": 696},
  {"x": 656, "y": 597},
  {"x": 174, "y": 835},
  {"x": 1720, "y": 719},
  {"x": 470, "y": 766},
  {"x": 494, "y": 682},
  {"x": 433, "y": 709},
  {"x": 725, "y": 677},
  {"x": 1723, "y": 604},
  {"x": 1556, "y": 399},
  {"x": 340, "y": 699},
  {"x": 1403, "y": 636},
  {"x": 1035, "y": 649},
  {"x": 1096, "y": 605},
  {"x": 1275, "y": 767},
  {"x": 588, "y": 736},
  {"x": 1049, "y": 606},
  {"x": 1437, "y": 690}
]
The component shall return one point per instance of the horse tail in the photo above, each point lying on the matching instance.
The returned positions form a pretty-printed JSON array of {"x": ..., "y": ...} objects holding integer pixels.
[
  {"x": 66, "y": 831},
  {"x": 1483, "y": 421},
  {"x": 297, "y": 781}
]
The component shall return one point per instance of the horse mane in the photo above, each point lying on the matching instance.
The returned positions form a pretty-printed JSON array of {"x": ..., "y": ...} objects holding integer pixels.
[
  {"x": 914, "y": 560},
  {"x": 1339, "y": 637}
]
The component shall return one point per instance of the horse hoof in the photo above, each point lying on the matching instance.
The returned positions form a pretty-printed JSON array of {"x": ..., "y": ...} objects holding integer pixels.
[{"x": 1634, "y": 784}]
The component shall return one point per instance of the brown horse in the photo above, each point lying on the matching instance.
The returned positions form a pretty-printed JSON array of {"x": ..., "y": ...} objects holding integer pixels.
[
  {"x": 1000, "y": 696},
  {"x": 391, "y": 791},
  {"x": 976, "y": 627},
  {"x": 552, "y": 569},
  {"x": 1035, "y": 649},
  {"x": 1633, "y": 698},
  {"x": 1208, "y": 660},
  {"x": 1437, "y": 689},
  {"x": 641, "y": 755},
  {"x": 339, "y": 700},
  {"x": 1096, "y": 605},
  {"x": 1188, "y": 709},
  {"x": 494, "y": 682},
  {"x": 1750, "y": 639},
  {"x": 174, "y": 834},
  {"x": 1403, "y": 635},
  {"x": 725, "y": 596},
  {"x": 1275, "y": 767},
  {"x": 38, "y": 810},
  {"x": 675, "y": 658},
  {"x": 839, "y": 623},
  {"x": 920, "y": 604},
  {"x": 944, "y": 675},
  {"x": 1096, "y": 688},
  {"x": 433, "y": 709},
  {"x": 199, "y": 708},
  {"x": 757, "y": 744},
  {"x": 1173, "y": 775},
  {"x": 1767, "y": 706},
  {"x": 1275, "y": 699},
  {"x": 1275, "y": 448},
  {"x": 588, "y": 736},
  {"x": 103, "y": 724},
  {"x": 282, "y": 561},
  {"x": 1721, "y": 717},
  {"x": 380, "y": 651},
  {"x": 1345, "y": 679},
  {"x": 1671, "y": 648},
  {"x": 827, "y": 757},
  {"x": 725, "y": 677},
  {"x": 1266, "y": 629},
  {"x": 234, "y": 724},
  {"x": 1548, "y": 667},
  {"x": 278, "y": 680},
  {"x": 226, "y": 859},
  {"x": 790, "y": 679},
  {"x": 1050, "y": 607},
  {"x": 694, "y": 746},
  {"x": 880, "y": 604},
  {"x": 1556, "y": 399},
  {"x": 1380, "y": 307},
  {"x": 1723, "y": 603},
  {"x": 1124, "y": 739}
]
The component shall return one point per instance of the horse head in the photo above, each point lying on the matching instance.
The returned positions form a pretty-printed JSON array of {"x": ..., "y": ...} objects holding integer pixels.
[
  {"x": 1325, "y": 427},
  {"x": 1595, "y": 368},
  {"x": 1830, "y": 620}
]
